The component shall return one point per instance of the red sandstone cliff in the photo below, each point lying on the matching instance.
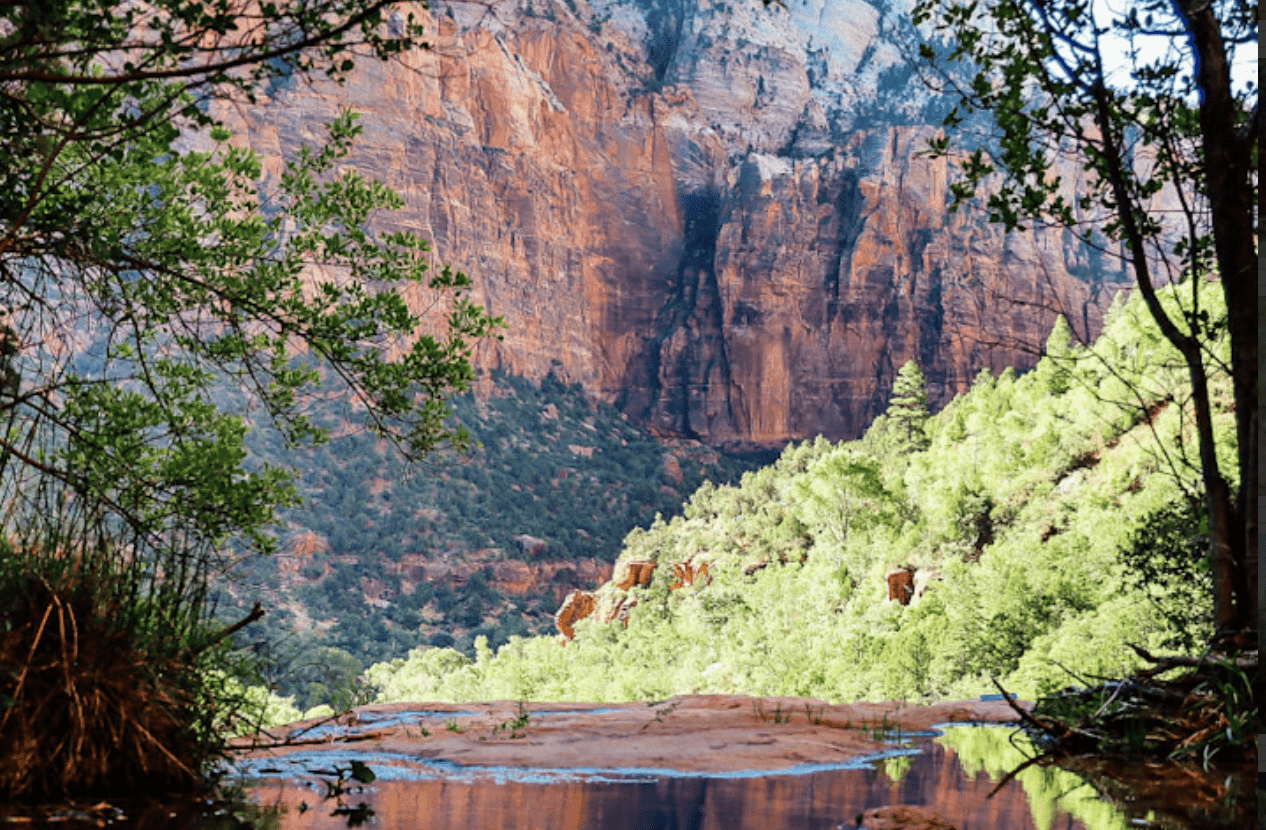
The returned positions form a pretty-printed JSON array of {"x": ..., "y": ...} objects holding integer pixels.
[{"x": 679, "y": 206}]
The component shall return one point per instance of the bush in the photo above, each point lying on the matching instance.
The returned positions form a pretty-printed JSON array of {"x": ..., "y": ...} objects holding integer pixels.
[
  {"x": 107, "y": 686},
  {"x": 1165, "y": 560}
]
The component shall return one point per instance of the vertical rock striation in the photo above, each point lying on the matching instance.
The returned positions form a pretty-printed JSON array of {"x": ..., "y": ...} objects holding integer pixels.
[{"x": 711, "y": 213}]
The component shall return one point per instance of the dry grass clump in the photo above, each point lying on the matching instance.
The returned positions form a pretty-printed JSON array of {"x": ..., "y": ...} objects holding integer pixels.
[{"x": 97, "y": 695}]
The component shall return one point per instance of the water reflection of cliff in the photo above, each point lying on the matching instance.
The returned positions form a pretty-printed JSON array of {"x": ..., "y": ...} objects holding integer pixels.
[{"x": 932, "y": 780}]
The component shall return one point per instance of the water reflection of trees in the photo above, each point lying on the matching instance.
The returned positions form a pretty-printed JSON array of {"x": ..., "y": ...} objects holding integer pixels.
[
  {"x": 1105, "y": 794},
  {"x": 897, "y": 768}
]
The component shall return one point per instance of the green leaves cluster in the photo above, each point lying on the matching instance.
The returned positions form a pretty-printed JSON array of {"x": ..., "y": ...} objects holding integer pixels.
[
  {"x": 155, "y": 291},
  {"x": 1134, "y": 127},
  {"x": 227, "y": 45},
  {"x": 1071, "y": 82}
]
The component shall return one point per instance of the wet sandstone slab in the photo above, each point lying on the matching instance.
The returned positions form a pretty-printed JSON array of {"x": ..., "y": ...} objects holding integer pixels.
[
  {"x": 691, "y": 734},
  {"x": 691, "y": 763},
  {"x": 697, "y": 762}
]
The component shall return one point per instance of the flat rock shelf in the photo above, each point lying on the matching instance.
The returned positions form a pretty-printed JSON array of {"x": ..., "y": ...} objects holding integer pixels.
[{"x": 704, "y": 761}]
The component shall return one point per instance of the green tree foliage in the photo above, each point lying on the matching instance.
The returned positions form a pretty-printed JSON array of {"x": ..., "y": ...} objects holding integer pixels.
[
  {"x": 1144, "y": 97},
  {"x": 543, "y": 460},
  {"x": 152, "y": 288},
  {"x": 143, "y": 283},
  {"x": 328, "y": 676},
  {"x": 1059, "y": 353},
  {"x": 908, "y": 408},
  {"x": 1163, "y": 557},
  {"x": 1025, "y": 518},
  {"x": 1003, "y": 754}
]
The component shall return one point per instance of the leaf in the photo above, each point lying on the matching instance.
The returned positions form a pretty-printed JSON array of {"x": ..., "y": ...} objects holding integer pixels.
[{"x": 362, "y": 773}]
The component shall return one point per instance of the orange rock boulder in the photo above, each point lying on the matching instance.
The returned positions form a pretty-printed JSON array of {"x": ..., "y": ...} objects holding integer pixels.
[
  {"x": 633, "y": 573},
  {"x": 690, "y": 572},
  {"x": 900, "y": 585},
  {"x": 577, "y": 606}
]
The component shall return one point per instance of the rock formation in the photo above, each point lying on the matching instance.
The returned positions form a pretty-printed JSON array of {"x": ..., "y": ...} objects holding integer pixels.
[
  {"x": 613, "y": 600},
  {"x": 577, "y": 606},
  {"x": 712, "y": 214},
  {"x": 900, "y": 585},
  {"x": 633, "y": 574},
  {"x": 692, "y": 573},
  {"x": 907, "y": 584},
  {"x": 509, "y": 577},
  {"x": 531, "y": 547},
  {"x": 923, "y": 579},
  {"x": 716, "y": 739},
  {"x": 618, "y": 607},
  {"x": 904, "y": 817}
]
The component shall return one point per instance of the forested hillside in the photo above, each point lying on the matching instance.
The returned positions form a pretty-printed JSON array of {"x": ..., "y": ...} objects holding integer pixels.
[
  {"x": 381, "y": 557},
  {"x": 1048, "y": 520}
]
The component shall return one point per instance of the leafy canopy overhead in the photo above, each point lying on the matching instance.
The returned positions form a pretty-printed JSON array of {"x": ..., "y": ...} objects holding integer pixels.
[
  {"x": 155, "y": 288},
  {"x": 153, "y": 285}
]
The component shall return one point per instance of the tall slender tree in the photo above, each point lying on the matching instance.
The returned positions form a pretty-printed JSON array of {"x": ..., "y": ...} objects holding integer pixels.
[
  {"x": 908, "y": 408},
  {"x": 1144, "y": 95}
]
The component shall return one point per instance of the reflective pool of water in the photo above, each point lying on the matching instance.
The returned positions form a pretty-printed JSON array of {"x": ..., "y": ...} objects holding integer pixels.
[
  {"x": 641, "y": 800},
  {"x": 964, "y": 777},
  {"x": 927, "y": 785}
]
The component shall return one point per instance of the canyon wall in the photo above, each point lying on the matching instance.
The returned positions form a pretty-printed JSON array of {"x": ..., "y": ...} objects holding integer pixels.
[{"x": 712, "y": 214}]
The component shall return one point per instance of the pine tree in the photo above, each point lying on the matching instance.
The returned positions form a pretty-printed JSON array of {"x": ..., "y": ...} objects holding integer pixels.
[
  {"x": 908, "y": 408},
  {"x": 1056, "y": 370}
]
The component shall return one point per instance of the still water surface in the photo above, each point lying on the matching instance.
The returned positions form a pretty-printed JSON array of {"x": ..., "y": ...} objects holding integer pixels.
[
  {"x": 952, "y": 779},
  {"x": 960, "y": 778}
]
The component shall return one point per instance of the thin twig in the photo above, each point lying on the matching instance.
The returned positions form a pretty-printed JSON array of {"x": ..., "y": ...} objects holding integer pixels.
[
  {"x": 256, "y": 612},
  {"x": 1109, "y": 701},
  {"x": 1024, "y": 716},
  {"x": 1010, "y": 776},
  {"x": 359, "y": 736},
  {"x": 1163, "y": 664}
]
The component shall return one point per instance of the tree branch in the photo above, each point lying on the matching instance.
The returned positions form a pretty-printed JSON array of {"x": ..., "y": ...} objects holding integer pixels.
[
  {"x": 220, "y": 636},
  {"x": 203, "y": 69}
]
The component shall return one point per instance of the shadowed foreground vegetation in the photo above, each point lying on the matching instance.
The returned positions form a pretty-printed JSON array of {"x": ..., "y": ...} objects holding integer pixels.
[
  {"x": 147, "y": 264},
  {"x": 1089, "y": 790},
  {"x": 107, "y": 687}
]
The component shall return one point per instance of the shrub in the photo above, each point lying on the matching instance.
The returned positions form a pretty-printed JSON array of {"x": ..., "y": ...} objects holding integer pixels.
[
  {"x": 107, "y": 686},
  {"x": 1164, "y": 557}
]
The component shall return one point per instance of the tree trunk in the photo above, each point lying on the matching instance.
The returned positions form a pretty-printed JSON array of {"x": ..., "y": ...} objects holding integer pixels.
[
  {"x": 1224, "y": 535},
  {"x": 1227, "y": 171}
]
